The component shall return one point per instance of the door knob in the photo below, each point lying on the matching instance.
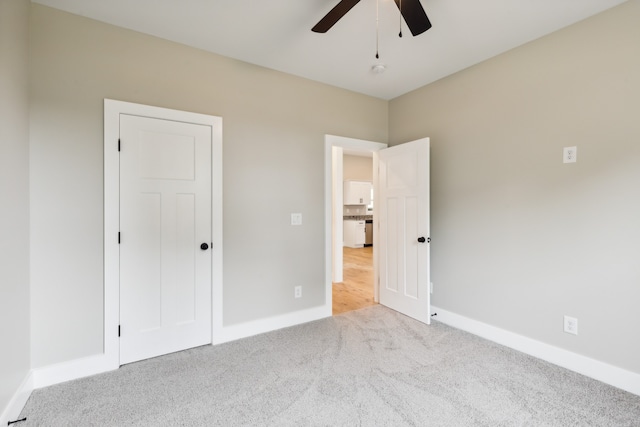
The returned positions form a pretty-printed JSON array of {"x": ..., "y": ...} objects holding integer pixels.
[
  {"x": 204, "y": 246},
  {"x": 422, "y": 239}
]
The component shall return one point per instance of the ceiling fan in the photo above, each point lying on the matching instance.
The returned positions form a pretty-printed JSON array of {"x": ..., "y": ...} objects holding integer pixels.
[{"x": 411, "y": 10}]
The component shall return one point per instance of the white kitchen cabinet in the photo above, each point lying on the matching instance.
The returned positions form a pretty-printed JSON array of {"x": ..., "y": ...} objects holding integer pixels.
[
  {"x": 354, "y": 233},
  {"x": 357, "y": 193}
]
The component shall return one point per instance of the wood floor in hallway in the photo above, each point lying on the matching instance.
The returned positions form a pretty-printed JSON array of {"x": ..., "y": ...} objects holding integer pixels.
[{"x": 356, "y": 290}]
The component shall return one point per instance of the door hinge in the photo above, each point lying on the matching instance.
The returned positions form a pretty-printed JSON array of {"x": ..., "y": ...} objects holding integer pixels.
[
  {"x": 118, "y": 237},
  {"x": 118, "y": 144},
  {"x": 118, "y": 330}
]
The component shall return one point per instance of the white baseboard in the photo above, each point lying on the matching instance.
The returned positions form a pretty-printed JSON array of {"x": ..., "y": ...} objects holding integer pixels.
[
  {"x": 609, "y": 374},
  {"x": 248, "y": 329},
  {"x": 72, "y": 370},
  {"x": 92, "y": 365},
  {"x": 17, "y": 402}
]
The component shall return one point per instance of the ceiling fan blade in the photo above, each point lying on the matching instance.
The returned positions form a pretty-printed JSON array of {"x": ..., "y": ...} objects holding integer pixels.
[
  {"x": 334, "y": 15},
  {"x": 414, "y": 15}
]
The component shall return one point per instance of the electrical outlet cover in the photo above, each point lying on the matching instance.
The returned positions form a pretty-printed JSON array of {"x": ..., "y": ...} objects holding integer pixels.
[
  {"x": 571, "y": 325},
  {"x": 570, "y": 154}
]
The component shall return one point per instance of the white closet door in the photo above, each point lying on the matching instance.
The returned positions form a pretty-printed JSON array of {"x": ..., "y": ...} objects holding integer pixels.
[{"x": 165, "y": 217}]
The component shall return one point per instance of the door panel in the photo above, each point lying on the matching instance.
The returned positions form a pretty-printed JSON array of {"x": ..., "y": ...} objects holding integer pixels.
[
  {"x": 403, "y": 217},
  {"x": 145, "y": 270},
  {"x": 165, "y": 214},
  {"x": 166, "y": 156},
  {"x": 186, "y": 245}
]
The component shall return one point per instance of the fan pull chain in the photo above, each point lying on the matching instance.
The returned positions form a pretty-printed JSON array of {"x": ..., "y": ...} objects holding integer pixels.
[
  {"x": 377, "y": 27},
  {"x": 400, "y": 7}
]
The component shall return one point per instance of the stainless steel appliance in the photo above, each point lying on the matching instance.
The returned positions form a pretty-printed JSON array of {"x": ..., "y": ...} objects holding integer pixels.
[{"x": 368, "y": 232}]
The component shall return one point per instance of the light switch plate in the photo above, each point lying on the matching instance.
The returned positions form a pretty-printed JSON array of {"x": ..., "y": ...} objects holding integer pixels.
[{"x": 296, "y": 219}]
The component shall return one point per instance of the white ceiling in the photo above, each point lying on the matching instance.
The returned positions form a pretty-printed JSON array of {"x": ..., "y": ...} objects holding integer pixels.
[{"x": 277, "y": 34}]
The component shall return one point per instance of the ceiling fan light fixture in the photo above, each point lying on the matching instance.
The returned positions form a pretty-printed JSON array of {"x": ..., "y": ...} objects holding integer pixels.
[{"x": 378, "y": 68}]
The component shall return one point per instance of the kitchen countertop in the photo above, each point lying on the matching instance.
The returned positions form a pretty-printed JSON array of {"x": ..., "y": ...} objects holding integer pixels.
[{"x": 357, "y": 217}]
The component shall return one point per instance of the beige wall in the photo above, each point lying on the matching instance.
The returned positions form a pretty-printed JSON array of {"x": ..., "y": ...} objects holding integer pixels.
[
  {"x": 519, "y": 238},
  {"x": 14, "y": 198},
  {"x": 274, "y": 127},
  {"x": 357, "y": 168}
]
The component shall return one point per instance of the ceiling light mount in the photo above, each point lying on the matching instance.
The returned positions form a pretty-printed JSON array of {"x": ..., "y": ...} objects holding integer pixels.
[{"x": 378, "y": 68}]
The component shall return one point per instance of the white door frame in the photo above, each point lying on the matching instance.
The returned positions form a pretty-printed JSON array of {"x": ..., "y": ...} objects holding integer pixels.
[
  {"x": 112, "y": 111},
  {"x": 333, "y": 218}
]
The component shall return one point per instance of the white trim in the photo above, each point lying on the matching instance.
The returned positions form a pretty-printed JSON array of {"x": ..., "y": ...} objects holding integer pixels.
[
  {"x": 337, "y": 212},
  {"x": 112, "y": 111},
  {"x": 331, "y": 141},
  {"x": 255, "y": 327},
  {"x": 92, "y": 365},
  {"x": 71, "y": 370},
  {"x": 612, "y": 375},
  {"x": 376, "y": 227},
  {"x": 18, "y": 400},
  {"x": 609, "y": 374}
]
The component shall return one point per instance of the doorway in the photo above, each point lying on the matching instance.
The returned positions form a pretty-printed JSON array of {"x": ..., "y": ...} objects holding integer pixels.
[
  {"x": 401, "y": 254},
  {"x": 350, "y": 272},
  {"x": 357, "y": 287}
]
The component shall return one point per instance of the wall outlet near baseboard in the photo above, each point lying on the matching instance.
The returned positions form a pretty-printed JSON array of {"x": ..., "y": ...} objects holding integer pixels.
[
  {"x": 297, "y": 292},
  {"x": 571, "y": 325}
]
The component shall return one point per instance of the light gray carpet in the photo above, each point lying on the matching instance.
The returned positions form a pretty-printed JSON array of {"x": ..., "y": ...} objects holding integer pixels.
[{"x": 371, "y": 367}]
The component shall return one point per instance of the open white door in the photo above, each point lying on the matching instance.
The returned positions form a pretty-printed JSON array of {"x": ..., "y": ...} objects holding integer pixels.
[{"x": 402, "y": 213}]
